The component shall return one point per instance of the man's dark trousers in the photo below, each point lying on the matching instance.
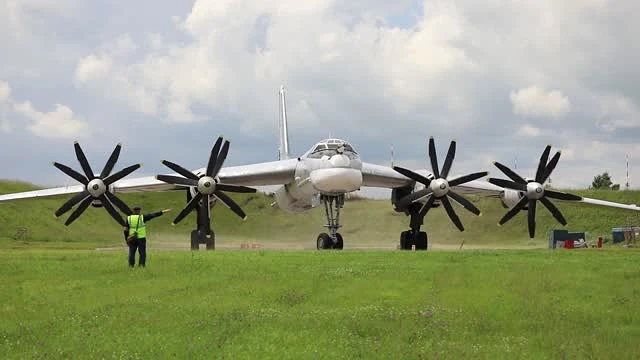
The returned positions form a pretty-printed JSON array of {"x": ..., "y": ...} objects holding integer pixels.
[{"x": 140, "y": 245}]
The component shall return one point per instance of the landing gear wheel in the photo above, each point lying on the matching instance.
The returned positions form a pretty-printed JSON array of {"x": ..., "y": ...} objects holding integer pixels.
[
  {"x": 422, "y": 243},
  {"x": 340, "y": 243},
  {"x": 405, "y": 240},
  {"x": 324, "y": 241},
  {"x": 195, "y": 240},
  {"x": 211, "y": 241}
]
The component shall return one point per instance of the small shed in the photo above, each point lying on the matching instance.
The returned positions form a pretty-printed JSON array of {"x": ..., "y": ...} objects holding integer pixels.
[{"x": 561, "y": 236}]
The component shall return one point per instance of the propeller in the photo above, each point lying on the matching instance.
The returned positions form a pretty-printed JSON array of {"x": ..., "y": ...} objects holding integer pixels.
[
  {"x": 439, "y": 188},
  {"x": 96, "y": 187},
  {"x": 207, "y": 184},
  {"x": 534, "y": 190}
]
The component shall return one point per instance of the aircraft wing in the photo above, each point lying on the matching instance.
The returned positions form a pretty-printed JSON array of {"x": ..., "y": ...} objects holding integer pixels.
[
  {"x": 382, "y": 176},
  {"x": 484, "y": 188},
  {"x": 260, "y": 174},
  {"x": 386, "y": 177}
]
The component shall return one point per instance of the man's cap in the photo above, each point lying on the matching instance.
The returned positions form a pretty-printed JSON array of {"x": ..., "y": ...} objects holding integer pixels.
[{"x": 136, "y": 208}]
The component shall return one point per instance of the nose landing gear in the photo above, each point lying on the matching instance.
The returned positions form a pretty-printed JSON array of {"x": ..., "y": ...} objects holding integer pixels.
[{"x": 333, "y": 239}]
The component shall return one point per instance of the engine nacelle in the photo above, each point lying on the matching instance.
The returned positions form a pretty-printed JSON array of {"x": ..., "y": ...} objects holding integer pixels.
[
  {"x": 510, "y": 198},
  {"x": 399, "y": 193},
  {"x": 297, "y": 197}
]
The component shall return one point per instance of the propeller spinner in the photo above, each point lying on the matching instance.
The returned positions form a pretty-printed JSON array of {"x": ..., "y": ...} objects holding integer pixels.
[
  {"x": 206, "y": 185},
  {"x": 439, "y": 188},
  {"x": 534, "y": 190},
  {"x": 96, "y": 187}
]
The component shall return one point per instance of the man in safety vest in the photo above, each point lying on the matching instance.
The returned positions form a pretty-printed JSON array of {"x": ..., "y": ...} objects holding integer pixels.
[{"x": 135, "y": 234}]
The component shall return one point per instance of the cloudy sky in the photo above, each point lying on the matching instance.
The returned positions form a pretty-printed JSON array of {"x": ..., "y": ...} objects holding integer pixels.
[{"x": 503, "y": 78}]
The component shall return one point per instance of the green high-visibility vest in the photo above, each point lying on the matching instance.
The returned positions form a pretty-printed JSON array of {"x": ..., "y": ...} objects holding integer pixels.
[{"x": 133, "y": 223}]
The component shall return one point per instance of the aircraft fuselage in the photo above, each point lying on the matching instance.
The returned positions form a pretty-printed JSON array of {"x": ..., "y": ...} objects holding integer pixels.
[{"x": 331, "y": 168}]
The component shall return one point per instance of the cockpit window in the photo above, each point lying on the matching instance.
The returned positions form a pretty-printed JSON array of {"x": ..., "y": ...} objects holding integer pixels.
[
  {"x": 332, "y": 147},
  {"x": 349, "y": 148}
]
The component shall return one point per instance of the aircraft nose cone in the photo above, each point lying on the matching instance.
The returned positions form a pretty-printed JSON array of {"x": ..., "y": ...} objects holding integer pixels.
[
  {"x": 340, "y": 161},
  {"x": 336, "y": 180}
]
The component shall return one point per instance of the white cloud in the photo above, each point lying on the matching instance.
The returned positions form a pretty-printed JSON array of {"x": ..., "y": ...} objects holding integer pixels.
[
  {"x": 92, "y": 67},
  {"x": 617, "y": 112},
  {"x": 59, "y": 123},
  {"x": 534, "y": 101},
  {"x": 529, "y": 130},
  {"x": 240, "y": 53},
  {"x": 5, "y": 91}
]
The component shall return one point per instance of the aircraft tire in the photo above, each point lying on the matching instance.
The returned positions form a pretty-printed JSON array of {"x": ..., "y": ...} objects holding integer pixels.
[
  {"x": 405, "y": 240},
  {"x": 211, "y": 242},
  {"x": 324, "y": 241},
  {"x": 195, "y": 240},
  {"x": 340, "y": 244},
  {"x": 422, "y": 242}
]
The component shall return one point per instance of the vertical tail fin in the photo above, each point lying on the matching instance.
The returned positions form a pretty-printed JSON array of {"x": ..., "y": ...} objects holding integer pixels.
[{"x": 283, "y": 151}]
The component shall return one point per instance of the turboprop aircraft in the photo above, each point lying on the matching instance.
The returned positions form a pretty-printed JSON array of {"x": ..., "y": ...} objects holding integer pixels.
[{"x": 323, "y": 175}]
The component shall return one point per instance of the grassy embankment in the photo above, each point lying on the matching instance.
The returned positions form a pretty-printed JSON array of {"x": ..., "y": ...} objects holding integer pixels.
[{"x": 365, "y": 223}]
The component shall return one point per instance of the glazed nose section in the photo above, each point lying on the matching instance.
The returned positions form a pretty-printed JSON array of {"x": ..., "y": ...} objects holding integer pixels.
[{"x": 340, "y": 160}]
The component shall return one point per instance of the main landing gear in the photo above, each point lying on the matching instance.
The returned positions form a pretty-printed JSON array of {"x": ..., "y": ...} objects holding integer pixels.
[
  {"x": 414, "y": 237},
  {"x": 203, "y": 234},
  {"x": 332, "y": 240}
]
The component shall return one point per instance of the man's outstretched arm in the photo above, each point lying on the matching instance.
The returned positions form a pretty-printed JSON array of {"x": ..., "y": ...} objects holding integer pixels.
[{"x": 151, "y": 216}]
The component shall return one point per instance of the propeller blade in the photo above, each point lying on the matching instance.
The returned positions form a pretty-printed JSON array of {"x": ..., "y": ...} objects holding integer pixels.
[
  {"x": 189, "y": 208},
  {"x": 512, "y": 175},
  {"x": 542, "y": 165},
  {"x": 120, "y": 174},
  {"x": 176, "y": 180},
  {"x": 407, "y": 200},
  {"x": 108, "y": 167},
  {"x": 452, "y": 213},
  {"x": 221, "y": 158},
  {"x": 427, "y": 206},
  {"x": 71, "y": 203},
  {"x": 550, "y": 167},
  {"x": 180, "y": 170},
  {"x": 230, "y": 203},
  {"x": 464, "y": 202},
  {"x": 448, "y": 160},
  {"x": 235, "y": 188},
  {"x": 111, "y": 210},
  {"x": 74, "y": 174},
  {"x": 434, "y": 158},
  {"x": 119, "y": 203},
  {"x": 562, "y": 196},
  {"x": 508, "y": 184},
  {"x": 213, "y": 156},
  {"x": 412, "y": 175},
  {"x": 83, "y": 161},
  {"x": 514, "y": 210},
  {"x": 467, "y": 178},
  {"x": 554, "y": 210},
  {"x": 79, "y": 210},
  {"x": 532, "y": 218}
]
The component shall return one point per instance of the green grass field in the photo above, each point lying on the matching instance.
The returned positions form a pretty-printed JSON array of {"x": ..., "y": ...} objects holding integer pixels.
[{"x": 534, "y": 304}]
